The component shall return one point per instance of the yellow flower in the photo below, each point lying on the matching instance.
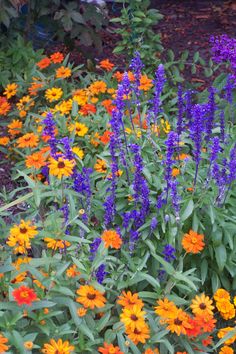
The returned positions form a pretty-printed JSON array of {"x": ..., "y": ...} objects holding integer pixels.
[
  {"x": 64, "y": 107},
  {"x": 133, "y": 318},
  {"x": 90, "y": 297},
  {"x": 53, "y": 94},
  {"x": 97, "y": 87},
  {"x": 58, "y": 347},
  {"x": 10, "y": 90},
  {"x": 79, "y": 128},
  {"x": 202, "y": 305},
  {"x": 20, "y": 236},
  {"x": 223, "y": 331},
  {"x": 79, "y": 152},
  {"x": 55, "y": 244},
  {"x": 28, "y": 345},
  {"x": 61, "y": 167},
  {"x": 100, "y": 166}
]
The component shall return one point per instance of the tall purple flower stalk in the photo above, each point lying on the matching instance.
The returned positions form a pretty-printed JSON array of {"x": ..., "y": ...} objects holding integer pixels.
[
  {"x": 171, "y": 144},
  {"x": 136, "y": 66},
  {"x": 49, "y": 130},
  {"x": 222, "y": 127},
  {"x": 159, "y": 83},
  {"x": 188, "y": 107},
  {"x": 210, "y": 114}
]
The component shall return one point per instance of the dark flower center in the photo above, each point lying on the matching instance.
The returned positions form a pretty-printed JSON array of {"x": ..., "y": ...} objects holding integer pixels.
[
  {"x": 202, "y": 306},
  {"x": 134, "y": 318},
  {"x": 91, "y": 296},
  {"x": 177, "y": 322},
  {"x": 61, "y": 164},
  {"x": 23, "y": 230},
  {"x": 136, "y": 331}
]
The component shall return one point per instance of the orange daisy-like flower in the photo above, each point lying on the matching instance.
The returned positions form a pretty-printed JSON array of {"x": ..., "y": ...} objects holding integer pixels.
[
  {"x": 44, "y": 63},
  {"x": 4, "y": 106},
  {"x": 145, "y": 83},
  {"x": 175, "y": 172},
  {"x": 3, "y": 346},
  {"x": 151, "y": 351},
  {"x": 36, "y": 160},
  {"x": 226, "y": 350},
  {"x": 28, "y": 345},
  {"x": 34, "y": 88},
  {"x": 165, "y": 308},
  {"x": 202, "y": 305},
  {"x": 109, "y": 349},
  {"x": 72, "y": 271},
  {"x": 139, "y": 335},
  {"x": 100, "y": 166},
  {"x": 106, "y": 65},
  {"x": 87, "y": 109},
  {"x": 207, "y": 322},
  {"x": 4, "y": 140},
  {"x": 61, "y": 167},
  {"x": 81, "y": 312},
  {"x": 128, "y": 300},
  {"x": 193, "y": 242},
  {"x": 195, "y": 328},
  {"x": 63, "y": 72},
  {"x": 10, "y": 90},
  {"x": 28, "y": 140},
  {"x": 57, "y": 57},
  {"x": 111, "y": 239},
  {"x": 90, "y": 297},
  {"x": 14, "y": 128},
  {"x": 55, "y": 244},
  {"x": 58, "y": 347},
  {"x": 179, "y": 322},
  {"x": 105, "y": 137},
  {"x": 223, "y": 331},
  {"x": 98, "y": 87},
  {"x": 24, "y": 295},
  {"x": 226, "y": 309}
]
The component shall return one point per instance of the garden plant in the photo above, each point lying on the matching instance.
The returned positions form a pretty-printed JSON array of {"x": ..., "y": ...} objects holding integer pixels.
[{"x": 120, "y": 234}]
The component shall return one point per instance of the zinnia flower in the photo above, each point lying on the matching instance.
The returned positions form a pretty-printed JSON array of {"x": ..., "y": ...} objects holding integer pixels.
[
  {"x": 53, "y": 94},
  {"x": 24, "y": 295},
  {"x": 133, "y": 318},
  {"x": 111, "y": 239},
  {"x": 28, "y": 140},
  {"x": 28, "y": 345},
  {"x": 223, "y": 331},
  {"x": 36, "y": 160},
  {"x": 58, "y": 347},
  {"x": 80, "y": 129},
  {"x": 145, "y": 83},
  {"x": 61, "y": 167},
  {"x": 63, "y": 72},
  {"x": 100, "y": 166},
  {"x": 193, "y": 242},
  {"x": 14, "y": 128},
  {"x": 151, "y": 351},
  {"x": 90, "y": 297},
  {"x": 4, "y": 140},
  {"x": 4, "y": 106},
  {"x": 202, "y": 305},
  {"x": 10, "y": 90},
  {"x": 128, "y": 300},
  {"x": 57, "y": 57},
  {"x": 79, "y": 152},
  {"x": 3, "y": 346},
  {"x": 97, "y": 87},
  {"x": 109, "y": 349},
  {"x": 44, "y": 63},
  {"x": 179, "y": 322},
  {"x": 165, "y": 308},
  {"x": 106, "y": 64},
  {"x": 138, "y": 335},
  {"x": 81, "y": 312},
  {"x": 226, "y": 350}
]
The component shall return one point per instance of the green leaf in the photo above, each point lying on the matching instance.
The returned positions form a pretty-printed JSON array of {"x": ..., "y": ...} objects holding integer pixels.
[
  {"x": 188, "y": 210},
  {"x": 221, "y": 256}
]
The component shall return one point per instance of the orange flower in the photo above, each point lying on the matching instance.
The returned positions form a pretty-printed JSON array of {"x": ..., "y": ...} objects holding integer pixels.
[
  {"x": 226, "y": 350},
  {"x": 139, "y": 335},
  {"x": 151, "y": 351},
  {"x": 24, "y": 295},
  {"x": 207, "y": 322},
  {"x": 175, "y": 172},
  {"x": 3, "y": 346},
  {"x": 108, "y": 105},
  {"x": 98, "y": 87},
  {"x": 72, "y": 271},
  {"x": 10, "y": 90},
  {"x": 145, "y": 83},
  {"x": 28, "y": 140},
  {"x": 221, "y": 295},
  {"x": 100, "y": 166},
  {"x": 106, "y": 65},
  {"x": 61, "y": 167},
  {"x": 4, "y": 140},
  {"x": 57, "y": 57},
  {"x": 193, "y": 242},
  {"x": 165, "y": 308},
  {"x": 4, "y": 106},
  {"x": 109, "y": 349},
  {"x": 111, "y": 239},
  {"x": 105, "y": 138},
  {"x": 44, "y": 63},
  {"x": 63, "y": 72},
  {"x": 28, "y": 345},
  {"x": 128, "y": 300},
  {"x": 36, "y": 160},
  {"x": 58, "y": 347},
  {"x": 223, "y": 331},
  {"x": 183, "y": 157},
  {"x": 90, "y": 297},
  {"x": 87, "y": 109},
  {"x": 15, "y": 127},
  {"x": 179, "y": 323},
  {"x": 33, "y": 89}
]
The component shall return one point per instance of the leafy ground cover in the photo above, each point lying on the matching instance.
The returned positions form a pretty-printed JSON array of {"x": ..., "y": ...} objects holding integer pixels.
[{"x": 124, "y": 237}]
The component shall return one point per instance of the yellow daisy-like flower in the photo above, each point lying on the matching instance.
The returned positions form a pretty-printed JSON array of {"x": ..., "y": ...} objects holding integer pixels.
[
  {"x": 202, "y": 305},
  {"x": 133, "y": 318},
  {"x": 79, "y": 128},
  {"x": 55, "y": 244},
  {"x": 20, "y": 236},
  {"x": 63, "y": 72},
  {"x": 100, "y": 166},
  {"x": 58, "y": 347},
  {"x": 139, "y": 335},
  {"x": 64, "y": 107},
  {"x": 165, "y": 308},
  {"x": 10, "y": 90},
  {"x": 61, "y": 167},
  {"x": 79, "y": 152},
  {"x": 90, "y": 297},
  {"x": 53, "y": 94}
]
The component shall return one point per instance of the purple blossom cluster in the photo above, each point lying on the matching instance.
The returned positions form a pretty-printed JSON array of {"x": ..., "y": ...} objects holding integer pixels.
[{"x": 224, "y": 50}]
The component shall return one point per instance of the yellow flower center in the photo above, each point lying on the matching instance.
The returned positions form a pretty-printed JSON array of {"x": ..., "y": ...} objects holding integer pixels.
[
  {"x": 24, "y": 294},
  {"x": 194, "y": 240}
]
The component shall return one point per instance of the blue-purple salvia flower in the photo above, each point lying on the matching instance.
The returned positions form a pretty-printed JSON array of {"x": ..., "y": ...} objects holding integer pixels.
[
  {"x": 153, "y": 224},
  {"x": 94, "y": 247},
  {"x": 49, "y": 130},
  {"x": 222, "y": 127},
  {"x": 210, "y": 114},
  {"x": 171, "y": 144},
  {"x": 169, "y": 253},
  {"x": 101, "y": 273},
  {"x": 159, "y": 83}
]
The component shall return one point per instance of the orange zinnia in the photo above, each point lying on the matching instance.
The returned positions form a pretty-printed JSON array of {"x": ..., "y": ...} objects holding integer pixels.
[
  {"x": 111, "y": 239},
  {"x": 14, "y": 128},
  {"x": 139, "y": 335},
  {"x": 57, "y": 57},
  {"x": 87, "y": 109},
  {"x": 128, "y": 300},
  {"x": 3, "y": 346},
  {"x": 90, "y": 297},
  {"x": 179, "y": 323},
  {"x": 4, "y": 106},
  {"x": 165, "y": 308},
  {"x": 100, "y": 166},
  {"x": 145, "y": 83},
  {"x": 10, "y": 90},
  {"x": 105, "y": 138},
  {"x": 193, "y": 242},
  {"x": 28, "y": 140},
  {"x": 24, "y": 295},
  {"x": 36, "y": 160},
  {"x": 106, "y": 64},
  {"x": 109, "y": 349},
  {"x": 63, "y": 72},
  {"x": 4, "y": 140},
  {"x": 44, "y": 63},
  {"x": 226, "y": 350}
]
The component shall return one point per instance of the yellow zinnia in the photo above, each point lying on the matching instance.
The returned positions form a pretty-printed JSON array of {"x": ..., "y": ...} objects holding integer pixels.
[
  {"x": 61, "y": 167},
  {"x": 53, "y": 94}
]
